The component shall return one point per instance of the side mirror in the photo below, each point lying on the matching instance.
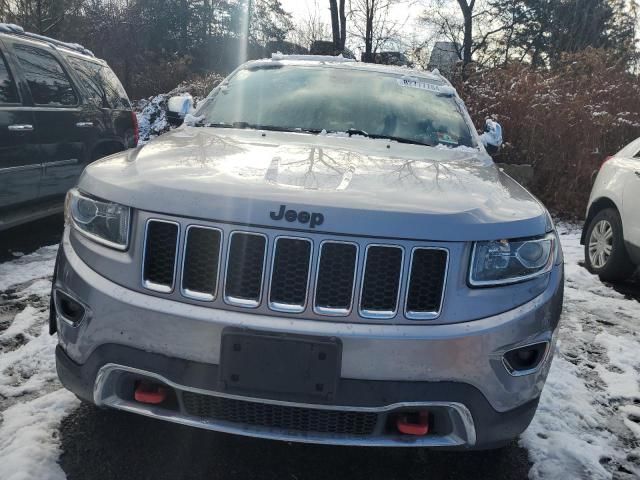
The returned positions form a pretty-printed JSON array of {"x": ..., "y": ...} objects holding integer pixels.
[
  {"x": 178, "y": 107},
  {"x": 492, "y": 136}
]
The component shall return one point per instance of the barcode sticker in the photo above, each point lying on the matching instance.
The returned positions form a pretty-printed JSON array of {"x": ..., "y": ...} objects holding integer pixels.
[{"x": 411, "y": 83}]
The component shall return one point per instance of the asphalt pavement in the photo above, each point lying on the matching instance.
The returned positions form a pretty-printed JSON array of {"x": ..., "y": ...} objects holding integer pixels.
[{"x": 104, "y": 444}]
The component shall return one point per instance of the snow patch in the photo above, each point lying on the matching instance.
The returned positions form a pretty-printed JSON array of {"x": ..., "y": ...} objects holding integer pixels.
[
  {"x": 28, "y": 267},
  {"x": 29, "y": 442},
  {"x": 587, "y": 424},
  {"x": 32, "y": 401}
]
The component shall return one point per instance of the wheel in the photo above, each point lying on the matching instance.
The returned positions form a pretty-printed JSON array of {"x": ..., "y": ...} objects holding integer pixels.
[{"x": 604, "y": 251}]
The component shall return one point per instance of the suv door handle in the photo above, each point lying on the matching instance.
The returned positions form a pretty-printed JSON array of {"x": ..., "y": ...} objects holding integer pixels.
[
  {"x": 637, "y": 173},
  {"x": 24, "y": 127},
  {"x": 84, "y": 124}
]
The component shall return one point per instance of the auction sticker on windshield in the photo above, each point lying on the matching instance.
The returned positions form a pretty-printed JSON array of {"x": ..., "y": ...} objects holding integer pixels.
[{"x": 406, "y": 82}]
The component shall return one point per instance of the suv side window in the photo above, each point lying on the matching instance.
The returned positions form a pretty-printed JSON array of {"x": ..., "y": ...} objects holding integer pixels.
[
  {"x": 48, "y": 82},
  {"x": 105, "y": 89},
  {"x": 89, "y": 75},
  {"x": 8, "y": 92},
  {"x": 116, "y": 95}
]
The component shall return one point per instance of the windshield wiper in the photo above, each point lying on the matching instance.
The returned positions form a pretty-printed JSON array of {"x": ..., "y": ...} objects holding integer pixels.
[
  {"x": 350, "y": 131},
  {"x": 362, "y": 133},
  {"x": 253, "y": 126},
  {"x": 401, "y": 140}
]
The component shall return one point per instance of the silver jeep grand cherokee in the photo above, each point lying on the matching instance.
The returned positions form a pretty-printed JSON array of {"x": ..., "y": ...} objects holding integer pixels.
[{"x": 323, "y": 253}]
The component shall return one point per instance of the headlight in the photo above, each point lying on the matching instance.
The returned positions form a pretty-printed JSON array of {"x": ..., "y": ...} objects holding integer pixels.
[
  {"x": 509, "y": 261},
  {"x": 102, "y": 221}
]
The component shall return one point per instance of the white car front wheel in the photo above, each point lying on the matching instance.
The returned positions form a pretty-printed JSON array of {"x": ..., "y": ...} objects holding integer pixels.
[{"x": 605, "y": 252}]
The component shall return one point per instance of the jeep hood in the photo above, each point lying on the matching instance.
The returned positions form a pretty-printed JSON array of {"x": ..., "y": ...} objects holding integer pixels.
[{"x": 361, "y": 186}]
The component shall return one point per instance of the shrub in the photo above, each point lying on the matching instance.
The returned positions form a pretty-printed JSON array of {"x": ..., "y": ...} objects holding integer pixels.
[{"x": 564, "y": 121}]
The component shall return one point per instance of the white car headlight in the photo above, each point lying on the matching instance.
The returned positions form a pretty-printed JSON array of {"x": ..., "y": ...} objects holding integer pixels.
[
  {"x": 510, "y": 261},
  {"x": 104, "y": 222}
]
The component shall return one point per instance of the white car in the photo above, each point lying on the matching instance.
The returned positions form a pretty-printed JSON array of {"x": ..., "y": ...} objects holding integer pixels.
[{"x": 611, "y": 234}]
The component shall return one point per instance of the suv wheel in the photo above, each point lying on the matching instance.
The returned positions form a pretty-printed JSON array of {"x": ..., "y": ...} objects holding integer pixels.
[{"x": 604, "y": 250}]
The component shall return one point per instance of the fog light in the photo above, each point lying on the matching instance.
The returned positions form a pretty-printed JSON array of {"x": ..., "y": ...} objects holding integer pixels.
[{"x": 525, "y": 360}]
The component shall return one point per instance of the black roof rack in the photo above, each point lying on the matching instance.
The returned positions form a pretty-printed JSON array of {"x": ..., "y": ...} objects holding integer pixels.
[{"x": 12, "y": 29}]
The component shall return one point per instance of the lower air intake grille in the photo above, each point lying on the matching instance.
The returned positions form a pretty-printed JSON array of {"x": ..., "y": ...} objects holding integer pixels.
[
  {"x": 201, "y": 262},
  {"x": 245, "y": 266},
  {"x": 279, "y": 416},
  {"x": 381, "y": 282},
  {"x": 160, "y": 255},
  {"x": 426, "y": 283},
  {"x": 290, "y": 274}
]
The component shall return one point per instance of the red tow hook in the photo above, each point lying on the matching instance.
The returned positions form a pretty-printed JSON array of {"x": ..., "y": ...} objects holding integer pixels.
[
  {"x": 414, "y": 423},
  {"x": 150, "y": 393}
]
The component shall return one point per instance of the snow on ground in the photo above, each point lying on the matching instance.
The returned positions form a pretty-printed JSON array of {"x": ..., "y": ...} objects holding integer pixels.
[
  {"x": 587, "y": 426},
  {"x": 588, "y": 421},
  {"x": 32, "y": 401}
]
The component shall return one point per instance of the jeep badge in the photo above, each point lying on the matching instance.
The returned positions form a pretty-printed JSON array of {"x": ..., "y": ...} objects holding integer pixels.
[{"x": 313, "y": 219}]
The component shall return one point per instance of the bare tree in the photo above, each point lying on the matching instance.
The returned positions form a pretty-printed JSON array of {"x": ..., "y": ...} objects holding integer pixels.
[
  {"x": 338, "y": 24},
  {"x": 476, "y": 28},
  {"x": 374, "y": 26},
  {"x": 310, "y": 28},
  {"x": 40, "y": 16}
]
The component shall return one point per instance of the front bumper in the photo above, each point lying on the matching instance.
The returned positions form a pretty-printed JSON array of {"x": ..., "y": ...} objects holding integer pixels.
[{"x": 455, "y": 370}]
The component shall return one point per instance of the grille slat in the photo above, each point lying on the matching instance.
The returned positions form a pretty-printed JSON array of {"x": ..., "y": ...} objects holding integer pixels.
[
  {"x": 336, "y": 278},
  {"x": 161, "y": 245},
  {"x": 426, "y": 282},
  {"x": 381, "y": 281},
  {"x": 279, "y": 416},
  {"x": 245, "y": 268},
  {"x": 201, "y": 263},
  {"x": 290, "y": 274}
]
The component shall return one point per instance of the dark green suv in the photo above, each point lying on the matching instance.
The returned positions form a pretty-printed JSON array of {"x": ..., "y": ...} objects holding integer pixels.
[{"x": 60, "y": 109}]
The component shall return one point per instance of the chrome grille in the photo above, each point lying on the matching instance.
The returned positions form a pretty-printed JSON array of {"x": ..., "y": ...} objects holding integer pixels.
[
  {"x": 290, "y": 274},
  {"x": 245, "y": 269},
  {"x": 381, "y": 281},
  {"x": 201, "y": 263},
  {"x": 426, "y": 282},
  {"x": 336, "y": 278},
  {"x": 311, "y": 276},
  {"x": 159, "y": 263}
]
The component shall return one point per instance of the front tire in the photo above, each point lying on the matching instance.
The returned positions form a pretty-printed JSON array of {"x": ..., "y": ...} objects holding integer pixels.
[{"x": 604, "y": 251}]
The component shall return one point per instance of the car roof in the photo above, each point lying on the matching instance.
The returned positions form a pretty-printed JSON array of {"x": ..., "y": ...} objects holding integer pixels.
[
  {"x": 17, "y": 32},
  {"x": 325, "y": 60}
]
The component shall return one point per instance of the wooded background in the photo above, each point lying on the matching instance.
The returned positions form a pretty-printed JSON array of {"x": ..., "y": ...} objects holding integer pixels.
[{"x": 560, "y": 75}]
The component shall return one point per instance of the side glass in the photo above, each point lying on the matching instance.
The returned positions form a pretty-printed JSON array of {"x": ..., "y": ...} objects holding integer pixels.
[{"x": 47, "y": 80}]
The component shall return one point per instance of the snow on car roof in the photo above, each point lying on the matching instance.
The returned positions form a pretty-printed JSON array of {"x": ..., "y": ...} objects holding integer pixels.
[{"x": 409, "y": 73}]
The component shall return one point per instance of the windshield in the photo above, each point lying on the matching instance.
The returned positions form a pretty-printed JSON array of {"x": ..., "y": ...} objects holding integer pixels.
[{"x": 334, "y": 99}]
